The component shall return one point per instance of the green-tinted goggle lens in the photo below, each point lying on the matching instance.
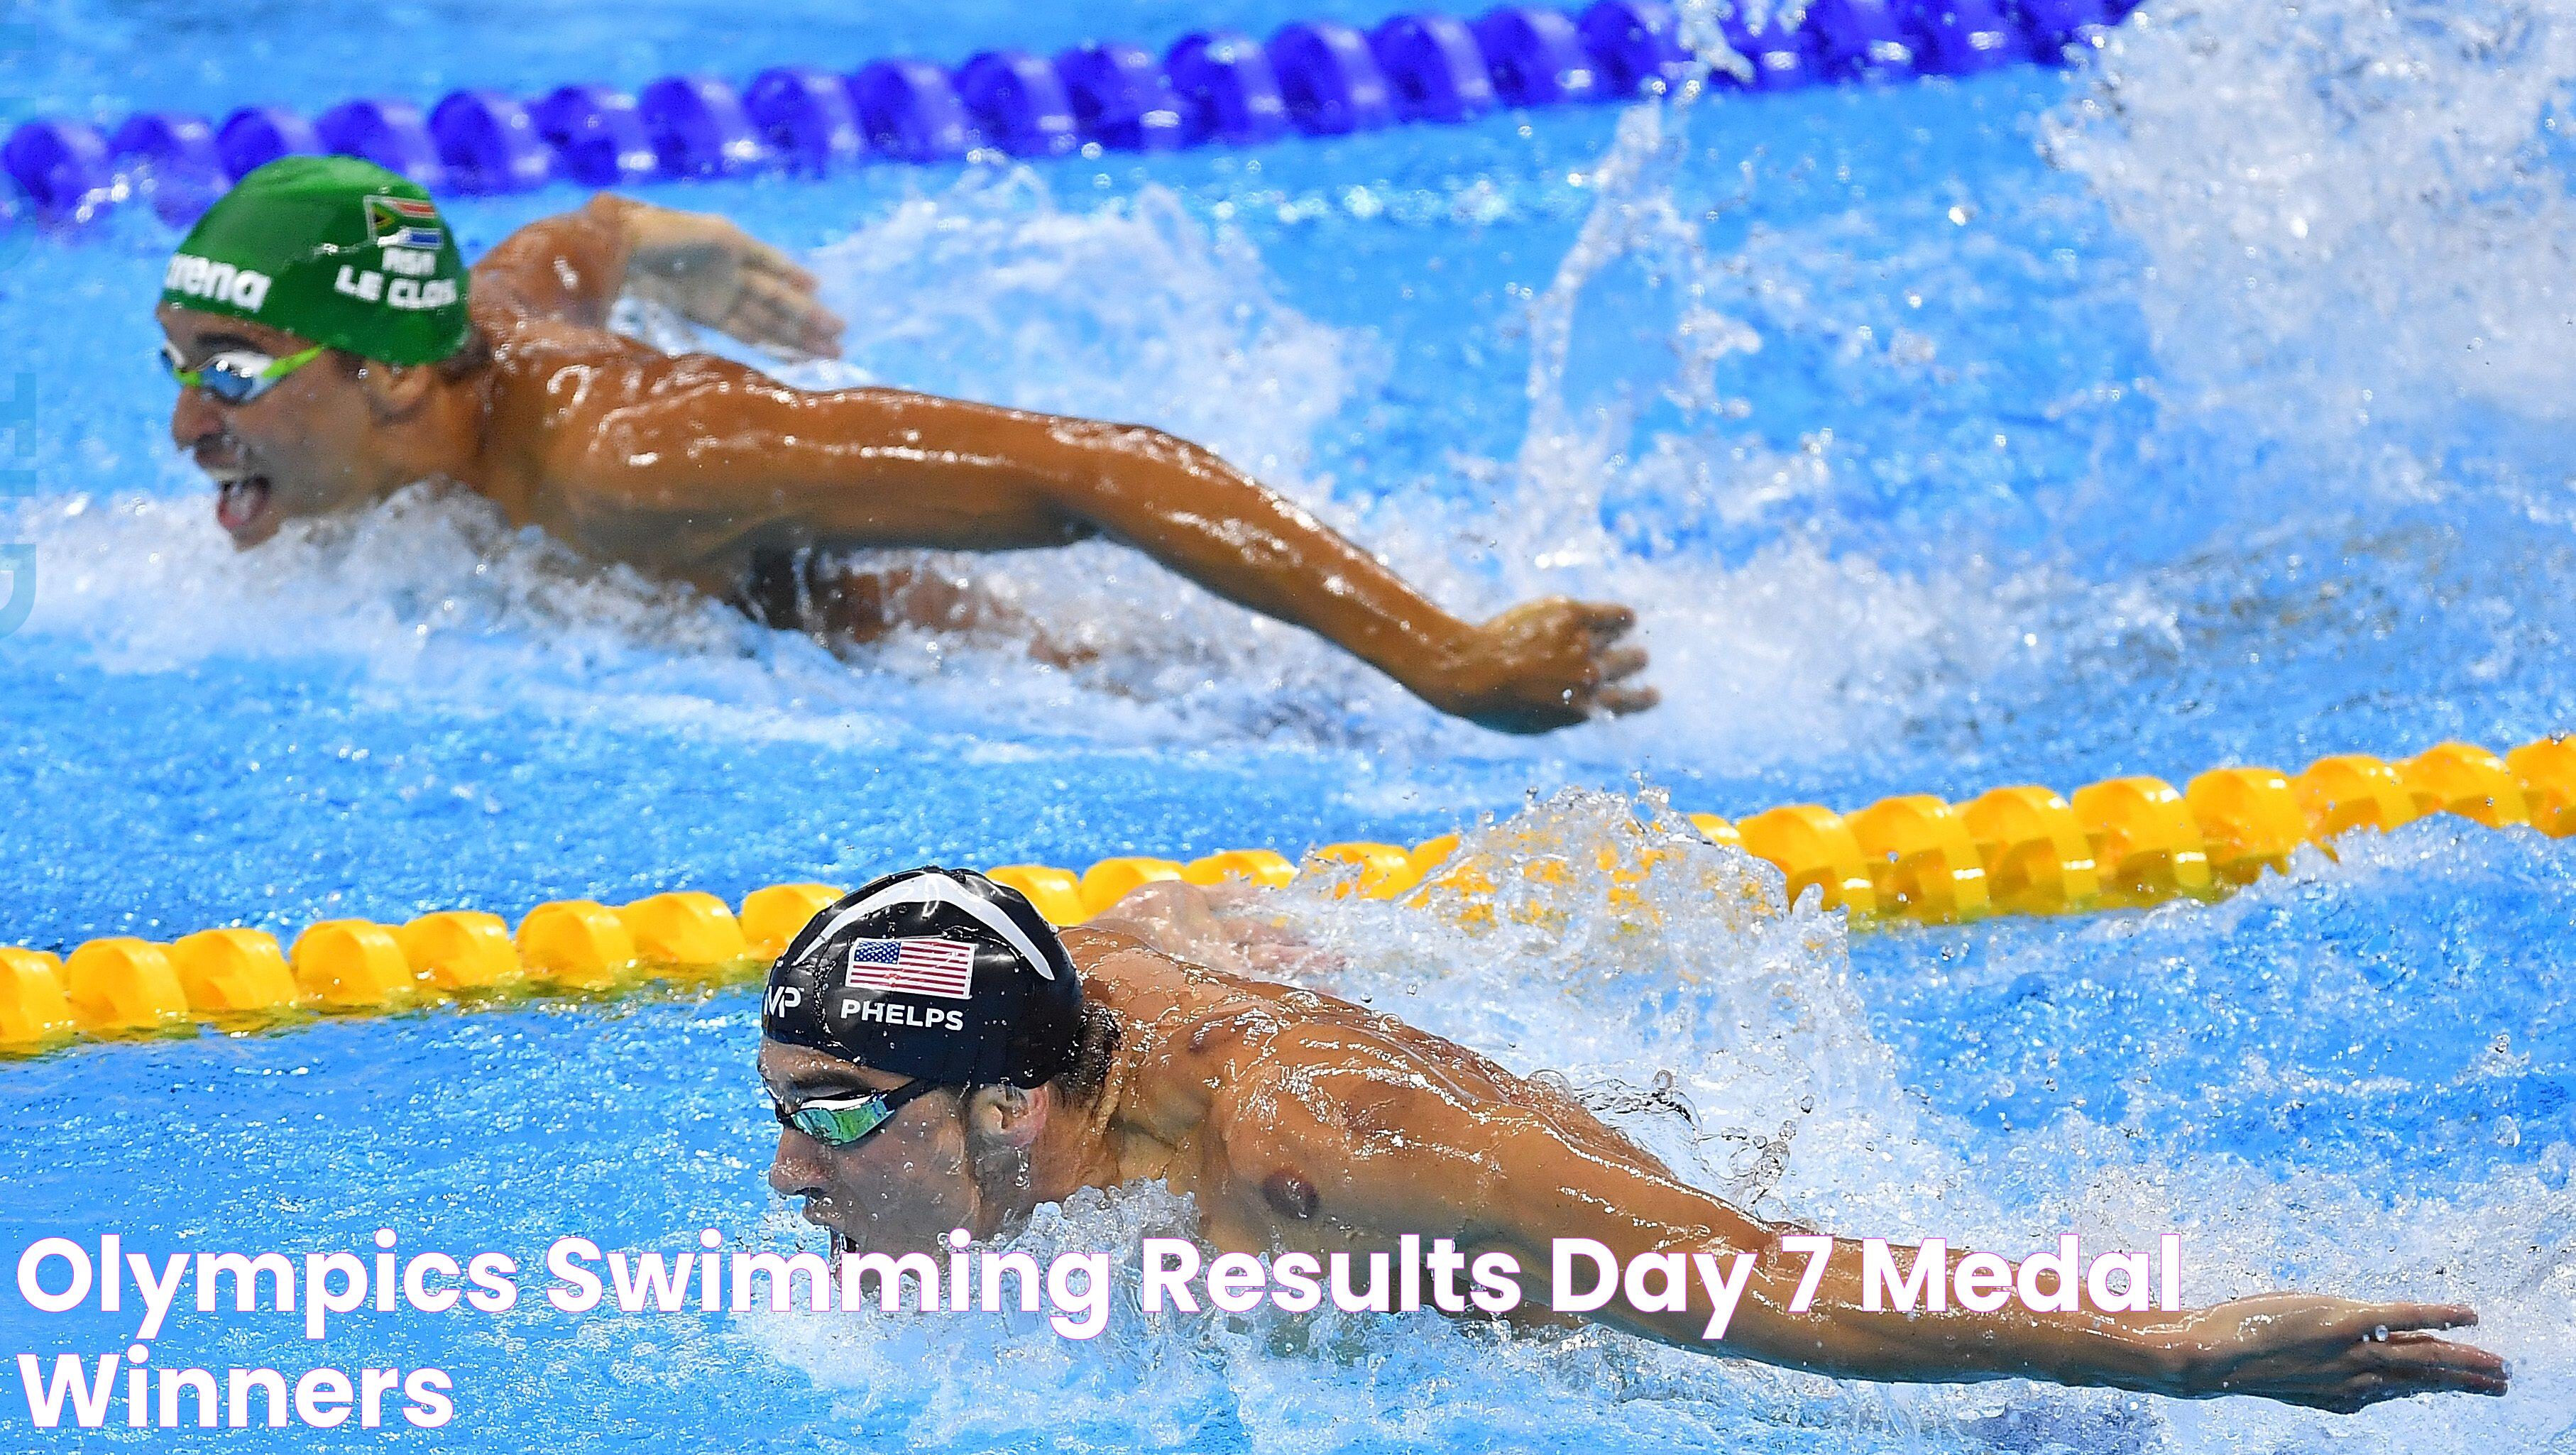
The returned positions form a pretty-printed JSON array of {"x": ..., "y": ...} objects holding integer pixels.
[
  {"x": 838, "y": 1124},
  {"x": 848, "y": 1121}
]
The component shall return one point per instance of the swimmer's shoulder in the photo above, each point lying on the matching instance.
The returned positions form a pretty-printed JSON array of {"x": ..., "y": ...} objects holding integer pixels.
[
  {"x": 572, "y": 400},
  {"x": 1127, "y": 966},
  {"x": 1296, "y": 1074},
  {"x": 1128, "y": 973},
  {"x": 1204, "y": 1025},
  {"x": 532, "y": 343}
]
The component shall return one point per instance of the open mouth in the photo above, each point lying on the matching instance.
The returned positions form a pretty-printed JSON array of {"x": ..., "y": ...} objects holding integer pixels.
[
  {"x": 239, "y": 502},
  {"x": 842, "y": 1242}
]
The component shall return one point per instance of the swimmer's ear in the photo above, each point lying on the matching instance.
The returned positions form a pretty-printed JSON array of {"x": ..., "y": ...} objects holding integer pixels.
[
  {"x": 394, "y": 391},
  {"x": 1007, "y": 1115}
]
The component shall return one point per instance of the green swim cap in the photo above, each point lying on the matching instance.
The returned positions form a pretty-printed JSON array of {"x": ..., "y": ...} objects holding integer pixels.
[{"x": 336, "y": 250}]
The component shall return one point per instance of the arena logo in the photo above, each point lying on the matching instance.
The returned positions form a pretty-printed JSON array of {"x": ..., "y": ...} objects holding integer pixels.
[{"x": 198, "y": 277}]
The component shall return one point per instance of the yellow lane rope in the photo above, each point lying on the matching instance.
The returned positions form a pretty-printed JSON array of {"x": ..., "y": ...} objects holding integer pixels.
[{"x": 2122, "y": 843}]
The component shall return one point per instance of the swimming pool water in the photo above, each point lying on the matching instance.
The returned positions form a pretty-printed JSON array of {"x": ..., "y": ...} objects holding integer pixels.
[{"x": 2205, "y": 405}]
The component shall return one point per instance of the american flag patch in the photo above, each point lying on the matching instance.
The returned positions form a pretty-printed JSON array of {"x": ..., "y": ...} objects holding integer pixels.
[{"x": 915, "y": 967}]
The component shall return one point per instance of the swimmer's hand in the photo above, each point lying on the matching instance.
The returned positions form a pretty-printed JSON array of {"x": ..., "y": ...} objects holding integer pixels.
[
  {"x": 716, "y": 274},
  {"x": 2331, "y": 1353},
  {"x": 1543, "y": 665}
]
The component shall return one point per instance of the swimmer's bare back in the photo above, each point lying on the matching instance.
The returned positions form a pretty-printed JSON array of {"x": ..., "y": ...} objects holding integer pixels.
[
  {"x": 698, "y": 468},
  {"x": 1298, "y": 1120}
]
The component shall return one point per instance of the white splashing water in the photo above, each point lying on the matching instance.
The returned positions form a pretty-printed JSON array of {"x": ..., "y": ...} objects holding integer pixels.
[
  {"x": 425, "y": 598},
  {"x": 2340, "y": 204},
  {"x": 1778, "y": 1097},
  {"x": 2355, "y": 213},
  {"x": 1136, "y": 311},
  {"x": 1133, "y": 310},
  {"x": 990, "y": 292},
  {"x": 1800, "y": 649}
]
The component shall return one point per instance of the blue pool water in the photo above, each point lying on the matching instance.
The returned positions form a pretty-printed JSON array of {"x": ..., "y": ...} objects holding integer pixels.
[{"x": 2208, "y": 404}]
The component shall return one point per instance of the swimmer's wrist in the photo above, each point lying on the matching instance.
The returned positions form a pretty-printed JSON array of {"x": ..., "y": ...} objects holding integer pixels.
[
  {"x": 2162, "y": 1357},
  {"x": 1447, "y": 680},
  {"x": 2145, "y": 1355},
  {"x": 1446, "y": 669}
]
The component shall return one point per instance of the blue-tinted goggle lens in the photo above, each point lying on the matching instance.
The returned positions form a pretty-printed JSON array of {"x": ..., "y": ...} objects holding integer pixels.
[{"x": 237, "y": 376}]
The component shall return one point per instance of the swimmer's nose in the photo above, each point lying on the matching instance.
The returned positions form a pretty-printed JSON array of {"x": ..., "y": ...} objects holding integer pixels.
[
  {"x": 796, "y": 1171},
  {"x": 195, "y": 420}
]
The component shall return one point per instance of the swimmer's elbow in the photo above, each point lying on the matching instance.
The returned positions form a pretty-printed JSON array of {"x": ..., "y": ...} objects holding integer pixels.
[
  {"x": 1103, "y": 470},
  {"x": 610, "y": 208}
]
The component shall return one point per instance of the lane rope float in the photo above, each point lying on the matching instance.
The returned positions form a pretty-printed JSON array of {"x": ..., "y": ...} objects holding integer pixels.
[
  {"x": 1318, "y": 78},
  {"x": 2123, "y": 843}
]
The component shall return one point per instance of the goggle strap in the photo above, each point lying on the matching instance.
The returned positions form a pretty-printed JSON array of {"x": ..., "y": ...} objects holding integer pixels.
[{"x": 280, "y": 368}]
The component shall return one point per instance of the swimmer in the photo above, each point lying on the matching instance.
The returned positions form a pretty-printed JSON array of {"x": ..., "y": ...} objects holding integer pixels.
[
  {"x": 1012, "y": 1067},
  {"x": 333, "y": 349}
]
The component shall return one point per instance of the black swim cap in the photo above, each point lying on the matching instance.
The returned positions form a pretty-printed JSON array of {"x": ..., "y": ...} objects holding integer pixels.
[{"x": 937, "y": 974}]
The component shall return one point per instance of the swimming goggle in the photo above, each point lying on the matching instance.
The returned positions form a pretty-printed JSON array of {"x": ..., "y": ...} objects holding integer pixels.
[
  {"x": 235, "y": 376},
  {"x": 848, "y": 1121}
]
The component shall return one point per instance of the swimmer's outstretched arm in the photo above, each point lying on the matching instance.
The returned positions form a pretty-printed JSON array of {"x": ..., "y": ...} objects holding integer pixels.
[
  {"x": 1507, "y": 1178},
  {"x": 714, "y": 451},
  {"x": 1541, "y": 665}
]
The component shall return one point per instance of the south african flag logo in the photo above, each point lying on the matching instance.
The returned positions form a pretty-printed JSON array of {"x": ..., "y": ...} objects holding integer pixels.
[{"x": 399, "y": 222}]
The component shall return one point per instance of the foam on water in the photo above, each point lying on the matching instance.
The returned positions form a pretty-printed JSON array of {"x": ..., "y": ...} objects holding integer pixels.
[
  {"x": 425, "y": 599},
  {"x": 2355, "y": 214},
  {"x": 2317, "y": 502},
  {"x": 1723, "y": 1030},
  {"x": 1132, "y": 310},
  {"x": 1139, "y": 311},
  {"x": 1773, "y": 645},
  {"x": 1809, "y": 590}
]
